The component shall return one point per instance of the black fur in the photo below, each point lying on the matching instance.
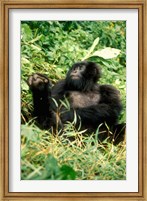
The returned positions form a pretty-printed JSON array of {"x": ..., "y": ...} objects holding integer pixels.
[{"x": 93, "y": 104}]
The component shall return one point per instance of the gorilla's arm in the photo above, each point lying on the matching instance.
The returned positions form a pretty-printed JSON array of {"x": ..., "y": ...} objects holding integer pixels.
[{"x": 41, "y": 91}]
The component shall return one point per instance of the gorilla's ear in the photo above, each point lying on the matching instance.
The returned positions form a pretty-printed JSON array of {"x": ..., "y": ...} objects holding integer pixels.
[
  {"x": 98, "y": 72},
  {"x": 94, "y": 70}
]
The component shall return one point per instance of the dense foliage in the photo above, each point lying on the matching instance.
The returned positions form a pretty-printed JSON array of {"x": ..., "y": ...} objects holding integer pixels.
[{"x": 51, "y": 47}]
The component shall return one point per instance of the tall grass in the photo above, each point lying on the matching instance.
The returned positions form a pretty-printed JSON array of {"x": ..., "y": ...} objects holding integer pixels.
[{"x": 84, "y": 155}]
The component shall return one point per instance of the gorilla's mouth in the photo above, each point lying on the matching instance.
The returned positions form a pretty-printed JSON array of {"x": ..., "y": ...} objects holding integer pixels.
[{"x": 75, "y": 77}]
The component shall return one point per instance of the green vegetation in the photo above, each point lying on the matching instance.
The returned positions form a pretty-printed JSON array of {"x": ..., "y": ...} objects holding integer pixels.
[{"x": 51, "y": 47}]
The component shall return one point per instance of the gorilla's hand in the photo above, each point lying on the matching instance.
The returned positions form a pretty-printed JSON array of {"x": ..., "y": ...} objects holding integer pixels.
[{"x": 38, "y": 82}]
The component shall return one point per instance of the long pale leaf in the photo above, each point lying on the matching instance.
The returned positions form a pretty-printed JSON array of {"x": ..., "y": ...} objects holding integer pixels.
[
  {"x": 96, "y": 41},
  {"x": 107, "y": 53}
]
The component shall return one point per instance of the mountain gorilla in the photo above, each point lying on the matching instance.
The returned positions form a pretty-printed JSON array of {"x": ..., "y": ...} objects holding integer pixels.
[{"x": 93, "y": 104}]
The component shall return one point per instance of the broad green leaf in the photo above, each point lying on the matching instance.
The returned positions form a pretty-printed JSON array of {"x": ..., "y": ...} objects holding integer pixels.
[
  {"x": 24, "y": 85},
  {"x": 26, "y": 32},
  {"x": 28, "y": 132},
  {"x": 67, "y": 173},
  {"x": 107, "y": 53}
]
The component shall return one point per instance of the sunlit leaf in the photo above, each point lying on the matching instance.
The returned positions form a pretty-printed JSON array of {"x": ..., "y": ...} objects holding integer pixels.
[
  {"x": 107, "y": 53},
  {"x": 96, "y": 41},
  {"x": 24, "y": 60},
  {"x": 36, "y": 39},
  {"x": 24, "y": 85},
  {"x": 35, "y": 47},
  {"x": 26, "y": 32}
]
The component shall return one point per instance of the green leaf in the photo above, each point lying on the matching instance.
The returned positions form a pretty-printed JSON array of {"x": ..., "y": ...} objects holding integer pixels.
[
  {"x": 26, "y": 32},
  {"x": 28, "y": 132},
  {"x": 36, "y": 39},
  {"x": 35, "y": 47},
  {"x": 24, "y": 60},
  {"x": 24, "y": 85},
  {"x": 51, "y": 164},
  {"x": 67, "y": 173}
]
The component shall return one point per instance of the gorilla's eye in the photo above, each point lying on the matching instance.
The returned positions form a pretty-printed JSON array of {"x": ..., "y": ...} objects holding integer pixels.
[{"x": 80, "y": 67}]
